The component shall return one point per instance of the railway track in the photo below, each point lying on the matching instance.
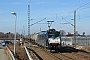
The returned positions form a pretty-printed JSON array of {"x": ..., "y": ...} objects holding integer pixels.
[
  {"x": 38, "y": 53},
  {"x": 83, "y": 55},
  {"x": 20, "y": 52},
  {"x": 64, "y": 57},
  {"x": 78, "y": 55},
  {"x": 42, "y": 54}
]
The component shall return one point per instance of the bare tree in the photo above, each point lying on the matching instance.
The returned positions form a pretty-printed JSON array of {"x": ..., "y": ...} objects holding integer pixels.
[{"x": 62, "y": 32}]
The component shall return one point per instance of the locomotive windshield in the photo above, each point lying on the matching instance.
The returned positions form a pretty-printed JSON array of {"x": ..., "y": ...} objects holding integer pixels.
[
  {"x": 53, "y": 34},
  {"x": 50, "y": 35}
]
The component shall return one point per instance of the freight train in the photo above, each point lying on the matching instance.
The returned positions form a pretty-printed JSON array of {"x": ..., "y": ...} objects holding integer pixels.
[{"x": 50, "y": 39}]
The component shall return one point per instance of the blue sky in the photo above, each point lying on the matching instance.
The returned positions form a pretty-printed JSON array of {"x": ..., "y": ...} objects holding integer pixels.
[{"x": 52, "y": 10}]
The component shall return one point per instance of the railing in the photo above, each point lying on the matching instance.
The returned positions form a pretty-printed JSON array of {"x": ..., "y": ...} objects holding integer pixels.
[
  {"x": 12, "y": 57},
  {"x": 9, "y": 38}
]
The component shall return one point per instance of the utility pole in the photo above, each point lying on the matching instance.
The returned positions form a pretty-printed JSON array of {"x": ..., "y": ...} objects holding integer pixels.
[
  {"x": 75, "y": 27},
  {"x": 29, "y": 24},
  {"x": 49, "y": 24}
]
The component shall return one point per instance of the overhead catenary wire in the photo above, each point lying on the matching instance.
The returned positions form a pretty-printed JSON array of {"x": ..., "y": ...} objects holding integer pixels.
[
  {"x": 37, "y": 22},
  {"x": 83, "y": 17},
  {"x": 63, "y": 18},
  {"x": 67, "y": 22},
  {"x": 77, "y": 19},
  {"x": 84, "y": 8},
  {"x": 74, "y": 10}
]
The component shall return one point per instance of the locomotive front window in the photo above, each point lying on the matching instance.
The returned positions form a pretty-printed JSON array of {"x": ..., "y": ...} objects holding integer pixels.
[{"x": 50, "y": 36}]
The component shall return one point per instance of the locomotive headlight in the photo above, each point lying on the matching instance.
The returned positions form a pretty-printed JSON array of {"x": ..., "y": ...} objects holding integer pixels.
[{"x": 48, "y": 40}]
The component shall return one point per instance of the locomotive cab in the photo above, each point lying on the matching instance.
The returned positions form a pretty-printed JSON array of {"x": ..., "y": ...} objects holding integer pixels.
[{"x": 53, "y": 39}]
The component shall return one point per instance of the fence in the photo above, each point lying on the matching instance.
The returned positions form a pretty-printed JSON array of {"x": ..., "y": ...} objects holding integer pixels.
[{"x": 79, "y": 40}]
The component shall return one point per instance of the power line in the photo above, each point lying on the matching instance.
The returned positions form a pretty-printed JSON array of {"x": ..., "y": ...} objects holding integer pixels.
[
  {"x": 76, "y": 9},
  {"x": 83, "y": 5},
  {"x": 37, "y": 22},
  {"x": 67, "y": 22},
  {"x": 84, "y": 8},
  {"x": 83, "y": 17},
  {"x": 73, "y": 11}
]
